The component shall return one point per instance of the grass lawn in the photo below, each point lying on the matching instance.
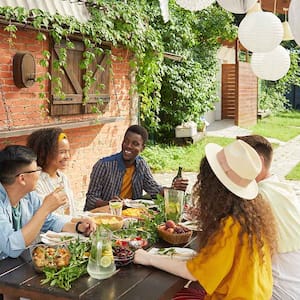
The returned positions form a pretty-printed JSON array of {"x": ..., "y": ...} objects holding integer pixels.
[
  {"x": 283, "y": 126},
  {"x": 294, "y": 174},
  {"x": 164, "y": 158}
]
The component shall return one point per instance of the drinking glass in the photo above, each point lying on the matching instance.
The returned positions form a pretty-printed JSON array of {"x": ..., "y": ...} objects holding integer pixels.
[
  {"x": 115, "y": 207},
  {"x": 173, "y": 204}
]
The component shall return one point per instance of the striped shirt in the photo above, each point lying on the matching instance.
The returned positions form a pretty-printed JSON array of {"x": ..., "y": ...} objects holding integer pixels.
[
  {"x": 47, "y": 185},
  {"x": 107, "y": 177}
]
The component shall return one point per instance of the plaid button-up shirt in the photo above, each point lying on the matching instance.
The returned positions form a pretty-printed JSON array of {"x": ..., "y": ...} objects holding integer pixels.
[{"x": 107, "y": 177}]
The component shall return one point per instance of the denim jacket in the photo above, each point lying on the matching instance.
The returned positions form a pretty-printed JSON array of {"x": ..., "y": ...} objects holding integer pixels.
[{"x": 12, "y": 242}]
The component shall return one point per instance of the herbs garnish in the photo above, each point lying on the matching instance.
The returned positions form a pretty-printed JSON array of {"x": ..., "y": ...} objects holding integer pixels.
[
  {"x": 77, "y": 267},
  {"x": 167, "y": 251}
]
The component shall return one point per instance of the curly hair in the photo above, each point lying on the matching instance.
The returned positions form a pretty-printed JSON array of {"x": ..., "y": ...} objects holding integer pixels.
[
  {"x": 44, "y": 142},
  {"x": 138, "y": 130},
  {"x": 215, "y": 202}
]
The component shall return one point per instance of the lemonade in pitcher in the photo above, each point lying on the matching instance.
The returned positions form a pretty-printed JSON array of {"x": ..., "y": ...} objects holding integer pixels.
[
  {"x": 101, "y": 263},
  {"x": 173, "y": 204}
]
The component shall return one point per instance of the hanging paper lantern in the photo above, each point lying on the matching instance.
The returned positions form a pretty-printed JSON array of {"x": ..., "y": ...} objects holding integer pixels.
[
  {"x": 237, "y": 6},
  {"x": 271, "y": 65},
  {"x": 164, "y": 7},
  {"x": 294, "y": 20},
  {"x": 260, "y": 31},
  {"x": 194, "y": 5},
  {"x": 287, "y": 33}
]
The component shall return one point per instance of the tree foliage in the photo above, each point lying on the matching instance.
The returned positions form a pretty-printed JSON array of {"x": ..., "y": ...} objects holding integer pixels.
[{"x": 273, "y": 93}]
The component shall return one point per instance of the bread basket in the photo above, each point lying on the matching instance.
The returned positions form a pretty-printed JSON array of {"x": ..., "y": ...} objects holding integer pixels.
[{"x": 174, "y": 238}]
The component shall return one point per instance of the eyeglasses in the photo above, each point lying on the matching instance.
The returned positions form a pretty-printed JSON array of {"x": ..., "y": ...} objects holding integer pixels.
[{"x": 38, "y": 169}]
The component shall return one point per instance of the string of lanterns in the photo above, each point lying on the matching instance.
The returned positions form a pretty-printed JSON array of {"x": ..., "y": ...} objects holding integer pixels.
[{"x": 259, "y": 32}]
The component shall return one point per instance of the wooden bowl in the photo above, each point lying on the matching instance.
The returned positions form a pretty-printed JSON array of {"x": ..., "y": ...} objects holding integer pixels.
[{"x": 111, "y": 221}]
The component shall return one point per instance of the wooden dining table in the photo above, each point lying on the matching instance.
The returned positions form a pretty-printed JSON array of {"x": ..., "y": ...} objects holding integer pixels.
[{"x": 18, "y": 278}]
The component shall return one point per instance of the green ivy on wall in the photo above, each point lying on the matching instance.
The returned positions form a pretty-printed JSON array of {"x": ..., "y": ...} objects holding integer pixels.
[{"x": 169, "y": 92}]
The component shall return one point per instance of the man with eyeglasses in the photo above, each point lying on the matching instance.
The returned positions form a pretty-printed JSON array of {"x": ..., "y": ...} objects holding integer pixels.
[{"x": 22, "y": 213}]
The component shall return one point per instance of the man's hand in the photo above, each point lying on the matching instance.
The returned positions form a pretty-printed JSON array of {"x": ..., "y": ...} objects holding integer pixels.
[
  {"x": 180, "y": 184},
  {"x": 87, "y": 226}
]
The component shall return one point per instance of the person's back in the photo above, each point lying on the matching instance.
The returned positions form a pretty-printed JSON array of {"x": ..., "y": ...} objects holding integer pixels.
[
  {"x": 286, "y": 209},
  {"x": 238, "y": 231}
]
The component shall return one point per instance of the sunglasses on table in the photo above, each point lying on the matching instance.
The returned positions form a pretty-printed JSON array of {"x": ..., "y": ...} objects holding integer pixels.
[{"x": 38, "y": 169}]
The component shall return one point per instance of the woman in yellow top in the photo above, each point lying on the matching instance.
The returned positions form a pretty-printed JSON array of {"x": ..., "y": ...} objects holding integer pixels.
[{"x": 238, "y": 233}]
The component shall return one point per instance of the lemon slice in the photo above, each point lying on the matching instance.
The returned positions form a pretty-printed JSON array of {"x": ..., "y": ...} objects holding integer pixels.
[{"x": 105, "y": 261}]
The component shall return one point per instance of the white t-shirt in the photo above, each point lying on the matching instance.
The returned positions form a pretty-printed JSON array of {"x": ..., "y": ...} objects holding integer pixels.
[
  {"x": 47, "y": 185},
  {"x": 286, "y": 264}
]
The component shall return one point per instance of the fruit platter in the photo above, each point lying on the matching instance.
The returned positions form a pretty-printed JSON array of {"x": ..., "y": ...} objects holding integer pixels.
[
  {"x": 123, "y": 256},
  {"x": 173, "y": 233},
  {"x": 131, "y": 238}
]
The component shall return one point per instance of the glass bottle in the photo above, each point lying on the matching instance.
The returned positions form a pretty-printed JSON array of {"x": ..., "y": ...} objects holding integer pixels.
[
  {"x": 101, "y": 263},
  {"x": 178, "y": 175}
]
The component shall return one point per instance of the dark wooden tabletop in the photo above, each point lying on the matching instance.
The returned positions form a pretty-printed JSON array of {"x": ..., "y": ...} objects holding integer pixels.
[{"x": 18, "y": 278}]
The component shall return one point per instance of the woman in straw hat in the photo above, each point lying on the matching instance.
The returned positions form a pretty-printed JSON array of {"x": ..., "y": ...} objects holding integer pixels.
[{"x": 237, "y": 236}]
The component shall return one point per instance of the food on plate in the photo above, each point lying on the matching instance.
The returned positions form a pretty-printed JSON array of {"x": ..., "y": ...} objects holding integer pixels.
[
  {"x": 135, "y": 212},
  {"x": 175, "y": 235},
  {"x": 111, "y": 221},
  {"x": 122, "y": 256},
  {"x": 50, "y": 256},
  {"x": 171, "y": 227},
  {"x": 139, "y": 203},
  {"x": 131, "y": 238},
  {"x": 174, "y": 252}
]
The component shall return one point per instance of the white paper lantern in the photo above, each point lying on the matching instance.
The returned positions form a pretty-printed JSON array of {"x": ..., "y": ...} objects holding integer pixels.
[
  {"x": 194, "y": 5},
  {"x": 260, "y": 31},
  {"x": 164, "y": 7},
  {"x": 237, "y": 6},
  {"x": 294, "y": 19},
  {"x": 271, "y": 65}
]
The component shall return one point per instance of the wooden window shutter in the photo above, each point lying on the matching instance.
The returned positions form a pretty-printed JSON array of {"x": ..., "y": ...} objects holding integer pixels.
[{"x": 73, "y": 84}]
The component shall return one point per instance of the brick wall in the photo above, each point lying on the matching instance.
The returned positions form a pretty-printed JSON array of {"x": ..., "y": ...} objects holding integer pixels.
[{"x": 20, "y": 108}]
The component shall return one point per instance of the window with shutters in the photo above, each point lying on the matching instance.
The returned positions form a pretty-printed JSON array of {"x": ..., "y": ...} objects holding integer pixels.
[{"x": 72, "y": 84}]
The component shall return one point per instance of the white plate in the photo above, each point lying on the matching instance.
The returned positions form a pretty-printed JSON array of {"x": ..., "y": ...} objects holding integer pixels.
[
  {"x": 174, "y": 252},
  {"x": 139, "y": 203},
  {"x": 54, "y": 238},
  {"x": 191, "y": 225}
]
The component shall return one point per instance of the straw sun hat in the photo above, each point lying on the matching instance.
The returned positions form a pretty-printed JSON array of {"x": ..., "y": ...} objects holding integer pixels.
[{"x": 236, "y": 166}]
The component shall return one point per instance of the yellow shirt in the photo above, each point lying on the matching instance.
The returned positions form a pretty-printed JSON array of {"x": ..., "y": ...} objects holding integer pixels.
[
  {"x": 229, "y": 271},
  {"x": 126, "y": 189}
]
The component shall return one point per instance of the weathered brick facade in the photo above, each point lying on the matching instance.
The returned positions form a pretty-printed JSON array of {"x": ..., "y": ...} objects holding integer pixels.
[{"x": 21, "y": 113}]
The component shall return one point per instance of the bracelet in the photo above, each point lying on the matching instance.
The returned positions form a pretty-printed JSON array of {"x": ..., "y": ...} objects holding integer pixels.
[{"x": 76, "y": 227}]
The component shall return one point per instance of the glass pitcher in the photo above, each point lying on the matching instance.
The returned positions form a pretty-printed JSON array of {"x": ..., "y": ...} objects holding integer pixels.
[
  {"x": 101, "y": 263},
  {"x": 173, "y": 204}
]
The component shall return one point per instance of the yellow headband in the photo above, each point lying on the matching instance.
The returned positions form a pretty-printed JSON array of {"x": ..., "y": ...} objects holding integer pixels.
[{"x": 62, "y": 136}]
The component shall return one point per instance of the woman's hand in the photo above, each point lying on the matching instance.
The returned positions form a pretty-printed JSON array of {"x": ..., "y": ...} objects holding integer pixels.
[
  {"x": 55, "y": 199},
  {"x": 142, "y": 257}
]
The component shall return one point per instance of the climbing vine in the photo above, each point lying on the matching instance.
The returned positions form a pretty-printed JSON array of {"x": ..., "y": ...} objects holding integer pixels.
[{"x": 167, "y": 90}]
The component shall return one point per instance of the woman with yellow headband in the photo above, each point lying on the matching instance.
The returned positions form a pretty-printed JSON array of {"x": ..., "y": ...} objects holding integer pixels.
[{"x": 53, "y": 154}]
